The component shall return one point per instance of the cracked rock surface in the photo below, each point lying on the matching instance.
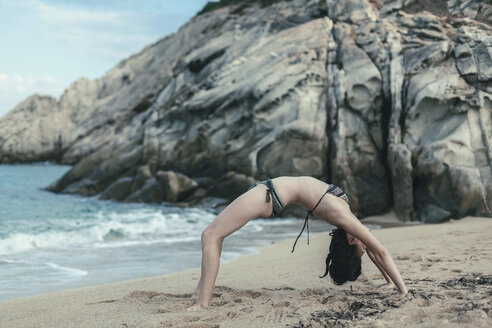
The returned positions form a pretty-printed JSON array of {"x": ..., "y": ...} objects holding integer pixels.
[{"x": 389, "y": 101}]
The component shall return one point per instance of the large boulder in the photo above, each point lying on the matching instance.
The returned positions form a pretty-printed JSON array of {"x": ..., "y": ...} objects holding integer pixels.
[
  {"x": 151, "y": 192},
  {"x": 96, "y": 172},
  {"x": 447, "y": 129},
  {"x": 388, "y": 100},
  {"x": 118, "y": 190},
  {"x": 176, "y": 186},
  {"x": 231, "y": 185}
]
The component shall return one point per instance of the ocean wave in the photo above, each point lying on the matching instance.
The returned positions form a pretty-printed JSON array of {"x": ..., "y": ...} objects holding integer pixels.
[
  {"x": 129, "y": 243},
  {"x": 67, "y": 270},
  {"x": 7, "y": 261},
  {"x": 113, "y": 230},
  {"x": 144, "y": 226}
]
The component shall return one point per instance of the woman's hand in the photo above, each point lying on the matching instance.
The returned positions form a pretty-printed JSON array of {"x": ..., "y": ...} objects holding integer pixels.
[
  {"x": 405, "y": 293},
  {"x": 388, "y": 285}
]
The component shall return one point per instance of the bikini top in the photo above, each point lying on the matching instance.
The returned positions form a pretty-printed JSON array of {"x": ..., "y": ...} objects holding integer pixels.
[{"x": 332, "y": 189}]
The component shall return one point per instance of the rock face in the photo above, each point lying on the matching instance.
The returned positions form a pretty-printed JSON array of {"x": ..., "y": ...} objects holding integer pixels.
[
  {"x": 36, "y": 130},
  {"x": 392, "y": 103}
]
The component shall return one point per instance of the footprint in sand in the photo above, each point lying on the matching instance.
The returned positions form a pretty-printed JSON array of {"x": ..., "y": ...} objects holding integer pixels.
[
  {"x": 167, "y": 302},
  {"x": 411, "y": 257},
  {"x": 249, "y": 293},
  {"x": 453, "y": 294},
  {"x": 275, "y": 316},
  {"x": 231, "y": 315},
  {"x": 220, "y": 317},
  {"x": 247, "y": 309},
  {"x": 173, "y": 306},
  {"x": 219, "y": 302},
  {"x": 223, "y": 289},
  {"x": 164, "y": 302}
]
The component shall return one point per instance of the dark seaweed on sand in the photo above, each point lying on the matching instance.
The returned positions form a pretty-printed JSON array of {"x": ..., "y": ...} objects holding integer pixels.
[
  {"x": 370, "y": 303},
  {"x": 473, "y": 281}
]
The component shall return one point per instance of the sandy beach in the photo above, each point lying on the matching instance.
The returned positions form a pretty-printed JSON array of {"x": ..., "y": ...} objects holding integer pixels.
[{"x": 447, "y": 269}]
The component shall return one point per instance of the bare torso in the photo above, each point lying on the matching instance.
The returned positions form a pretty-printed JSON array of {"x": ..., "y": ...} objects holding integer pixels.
[{"x": 307, "y": 191}]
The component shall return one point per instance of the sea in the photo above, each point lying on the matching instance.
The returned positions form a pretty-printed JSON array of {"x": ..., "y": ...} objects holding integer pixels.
[{"x": 51, "y": 242}]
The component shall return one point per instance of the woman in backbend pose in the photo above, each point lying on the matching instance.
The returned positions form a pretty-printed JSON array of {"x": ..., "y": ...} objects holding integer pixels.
[{"x": 267, "y": 198}]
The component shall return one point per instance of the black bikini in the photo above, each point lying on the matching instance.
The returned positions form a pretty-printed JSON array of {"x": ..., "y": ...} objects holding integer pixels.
[
  {"x": 277, "y": 204},
  {"x": 332, "y": 189}
]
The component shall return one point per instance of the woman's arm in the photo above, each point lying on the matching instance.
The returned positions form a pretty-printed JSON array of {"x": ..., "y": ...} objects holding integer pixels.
[
  {"x": 389, "y": 282},
  {"x": 380, "y": 255},
  {"x": 385, "y": 275},
  {"x": 383, "y": 258}
]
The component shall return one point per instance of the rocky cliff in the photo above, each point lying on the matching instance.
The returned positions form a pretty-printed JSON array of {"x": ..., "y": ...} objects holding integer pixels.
[{"x": 391, "y": 102}]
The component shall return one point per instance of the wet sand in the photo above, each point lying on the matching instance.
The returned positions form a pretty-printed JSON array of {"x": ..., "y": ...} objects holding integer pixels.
[{"x": 447, "y": 269}]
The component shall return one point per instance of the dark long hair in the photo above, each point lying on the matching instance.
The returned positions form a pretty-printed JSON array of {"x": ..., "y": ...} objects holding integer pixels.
[{"x": 342, "y": 261}]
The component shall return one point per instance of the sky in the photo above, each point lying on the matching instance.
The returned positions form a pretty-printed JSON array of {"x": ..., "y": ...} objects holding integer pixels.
[{"x": 45, "y": 45}]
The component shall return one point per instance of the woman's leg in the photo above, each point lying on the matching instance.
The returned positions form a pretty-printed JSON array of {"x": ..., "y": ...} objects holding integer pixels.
[
  {"x": 249, "y": 205},
  {"x": 196, "y": 293}
]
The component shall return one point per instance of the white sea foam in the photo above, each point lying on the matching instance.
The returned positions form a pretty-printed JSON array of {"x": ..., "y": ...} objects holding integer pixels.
[
  {"x": 69, "y": 271},
  {"x": 110, "y": 230},
  {"x": 113, "y": 230},
  {"x": 9, "y": 261}
]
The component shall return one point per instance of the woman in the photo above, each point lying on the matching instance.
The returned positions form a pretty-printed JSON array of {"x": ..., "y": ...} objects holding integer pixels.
[{"x": 328, "y": 202}]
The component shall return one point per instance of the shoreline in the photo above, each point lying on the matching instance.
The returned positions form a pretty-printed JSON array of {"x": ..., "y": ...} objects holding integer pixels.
[
  {"x": 375, "y": 222},
  {"x": 275, "y": 288}
]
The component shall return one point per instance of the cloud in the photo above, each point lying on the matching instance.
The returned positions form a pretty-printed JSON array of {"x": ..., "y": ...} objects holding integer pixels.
[
  {"x": 16, "y": 87},
  {"x": 96, "y": 32},
  {"x": 27, "y": 85},
  {"x": 77, "y": 17},
  {"x": 51, "y": 39}
]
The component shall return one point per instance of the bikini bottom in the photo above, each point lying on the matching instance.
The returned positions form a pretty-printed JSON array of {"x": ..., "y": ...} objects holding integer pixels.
[{"x": 277, "y": 206}]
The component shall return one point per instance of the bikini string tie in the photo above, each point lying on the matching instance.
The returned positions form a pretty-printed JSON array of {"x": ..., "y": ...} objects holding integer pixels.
[
  {"x": 306, "y": 221},
  {"x": 268, "y": 193},
  {"x": 304, "y": 226}
]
